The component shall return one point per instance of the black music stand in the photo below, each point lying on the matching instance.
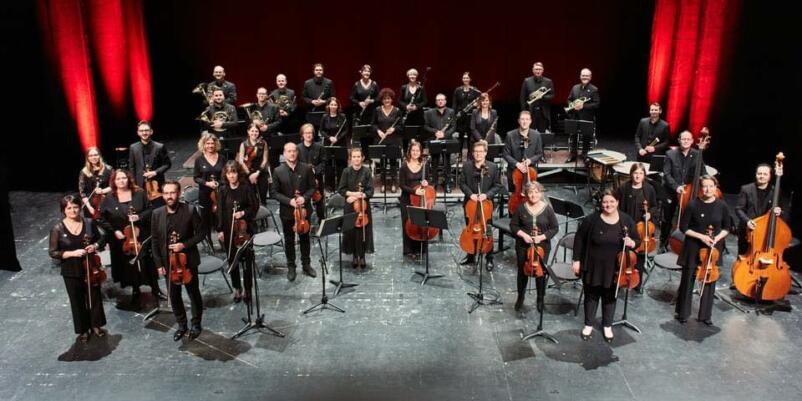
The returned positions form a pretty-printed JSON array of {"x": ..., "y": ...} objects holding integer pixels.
[
  {"x": 479, "y": 297},
  {"x": 494, "y": 151},
  {"x": 577, "y": 129},
  {"x": 539, "y": 332},
  {"x": 384, "y": 153},
  {"x": 229, "y": 145},
  {"x": 360, "y": 132},
  {"x": 245, "y": 258},
  {"x": 656, "y": 163},
  {"x": 334, "y": 154},
  {"x": 571, "y": 211},
  {"x": 277, "y": 141},
  {"x": 314, "y": 117},
  {"x": 327, "y": 227},
  {"x": 427, "y": 218},
  {"x": 341, "y": 224},
  {"x": 623, "y": 321},
  {"x": 157, "y": 310},
  {"x": 411, "y": 132},
  {"x": 445, "y": 147}
]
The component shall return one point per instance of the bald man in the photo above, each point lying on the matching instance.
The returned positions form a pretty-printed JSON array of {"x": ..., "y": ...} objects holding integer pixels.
[
  {"x": 229, "y": 89},
  {"x": 583, "y": 110}
]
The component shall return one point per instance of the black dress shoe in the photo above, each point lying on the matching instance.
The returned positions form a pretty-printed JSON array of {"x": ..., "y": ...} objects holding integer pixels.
[
  {"x": 519, "y": 303},
  {"x": 469, "y": 260},
  {"x": 682, "y": 320},
  {"x": 180, "y": 333},
  {"x": 309, "y": 271},
  {"x": 291, "y": 274},
  {"x": 707, "y": 322},
  {"x": 194, "y": 332},
  {"x": 490, "y": 265}
]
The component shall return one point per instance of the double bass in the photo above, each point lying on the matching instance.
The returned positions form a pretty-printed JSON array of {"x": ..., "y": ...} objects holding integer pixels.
[
  {"x": 533, "y": 266},
  {"x": 520, "y": 180},
  {"x": 95, "y": 275},
  {"x": 301, "y": 225},
  {"x": 628, "y": 276},
  {"x": 361, "y": 211},
  {"x": 477, "y": 237},
  {"x": 179, "y": 272},
  {"x": 425, "y": 201},
  {"x": 762, "y": 274}
]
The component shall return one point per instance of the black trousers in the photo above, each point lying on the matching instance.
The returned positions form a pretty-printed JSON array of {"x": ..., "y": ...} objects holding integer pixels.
[
  {"x": 289, "y": 245},
  {"x": 592, "y": 296},
  {"x": 685, "y": 296},
  {"x": 523, "y": 279},
  {"x": 669, "y": 209},
  {"x": 177, "y": 301},
  {"x": 84, "y": 318},
  {"x": 442, "y": 168},
  {"x": 248, "y": 258}
]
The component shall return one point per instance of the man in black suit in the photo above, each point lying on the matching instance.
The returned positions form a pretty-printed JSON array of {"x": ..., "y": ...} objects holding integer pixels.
[
  {"x": 317, "y": 90},
  {"x": 584, "y": 98},
  {"x": 229, "y": 89},
  {"x": 523, "y": 147},
  {"x": 650, "y": 130},
  {"x": 440, "y": 125},
  {"x": 179, "y": 220},
  {"x": 311, "y": 153},
  {"x": 678, "y": 170},
  {"x": 148, "y": 159},
  {"x": 541, "y": 108},
  {"x": 293, "y": 186},
  {"x": 480, "y": 173},
  {"x": 754, "y": 200}
]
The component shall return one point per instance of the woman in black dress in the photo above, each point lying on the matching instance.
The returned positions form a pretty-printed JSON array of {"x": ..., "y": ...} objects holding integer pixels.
[
  {"x": 93, "y": 180},
  {"x": 412, "y": 98},
  {"x": 632, "y": 194},
  {"x": 535, "y": 212},
  {"x": 356, "y": 183},
  {"x": 464, "y": 95},
  {"x": 252, "y": 156},
  {"x": 235, "y": 190},
  {"x": 411, "y": 176},
  {"x": 699, "y": 215},
  {"x": 127, "y": 203},
  {"x": 333, "y": 125},
  {"x": 71, "y": 240},
  {"x": 596, "y": 245},
  {"x": 207, "y": 172},
  {"x": 387, "y": 126},
  {"x": 363, "y": 96},
  {"x": 482, "y": 121}
]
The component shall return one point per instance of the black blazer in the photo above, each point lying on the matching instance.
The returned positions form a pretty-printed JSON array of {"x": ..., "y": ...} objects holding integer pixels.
[
  {"x": 747, "y": 207},
  {"x": 674, "y": 173},
  {"x": 645, "y": 134},
  {"x": 512, "y": 148},
  {"x": 435, "y": 122},
  {"x": 588, "y": 112},
  {"x": 530, "y": 85},
  {"x": 286, "y": 182},
  {"x": 469, "y": 181},
  {"x": 157, "y": 159},
  {"x": 626, "y": 201},
  {"x": 188, "y": 228}
]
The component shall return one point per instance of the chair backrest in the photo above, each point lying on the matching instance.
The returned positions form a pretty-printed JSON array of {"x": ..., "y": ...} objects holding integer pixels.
[{"x": 566, "y": 243}]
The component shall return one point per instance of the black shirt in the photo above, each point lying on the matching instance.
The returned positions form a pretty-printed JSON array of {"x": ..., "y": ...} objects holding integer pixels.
[{"x": 315, "y": 88}]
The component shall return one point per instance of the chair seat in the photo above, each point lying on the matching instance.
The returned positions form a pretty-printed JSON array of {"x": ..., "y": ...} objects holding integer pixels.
[
  {"x": 562, "y": 271},
  {"x": 191, "y": 194},
  {"x": 266, "y": 238},
  {"x": 667, "y": 261},
  {"x": 210, "y": 264},
  {"x": 502, "y": 224}
]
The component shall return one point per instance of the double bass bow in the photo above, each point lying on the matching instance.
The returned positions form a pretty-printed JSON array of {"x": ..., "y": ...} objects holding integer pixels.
[
  {"x": 425, "y": 201},
  {"x": 477, "y": 237},
  {"x": 628, "y": 276},
  {"x": 520, "y": 179}
]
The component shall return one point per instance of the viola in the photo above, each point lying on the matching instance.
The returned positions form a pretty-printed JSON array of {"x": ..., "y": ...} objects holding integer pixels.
[
  {"x": 179, "y": 272},
  {"x": 519, "y": 180},
  {"x": 131, "y": 243},
  {"x": 425, "y": 201},
  {"x": 213, "y": 195},
  {"x": 152, "y": 186},
  {"x": 762, "y": 274},
  {"x": 707, "y": 270},
  {"x": 317, "y": 195},
  {"x": 96, "y": 200},
  {"x": 533, "y": 266},
  {"x": 239, "y": 230},
  {"x": 95, "y": 274},
  {"x": 477, "y": 237},
  {"x": 645, "y": 229},
  {"x": 361, "y": 210},
  {"x": 628, "y": 276},
  {"x": 301, "y": 220}
]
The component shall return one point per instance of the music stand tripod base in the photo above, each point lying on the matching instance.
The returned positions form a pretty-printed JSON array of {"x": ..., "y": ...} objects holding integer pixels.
[
  {"x": 327, "y": 227},
  {"x": 245, "y": 257},
  {"x": 539, "y": 333},
  {"x": 343, "y": 224},
  {"x": 624, "y": 322},
  {"x": 427, "y": 218}
]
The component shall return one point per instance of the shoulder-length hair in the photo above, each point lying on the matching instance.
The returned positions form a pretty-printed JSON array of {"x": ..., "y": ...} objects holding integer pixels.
[
  {"x": 87, "y": 170},
  {"x": 131, "y": 184},
  {"x": 205, "y": 136}
]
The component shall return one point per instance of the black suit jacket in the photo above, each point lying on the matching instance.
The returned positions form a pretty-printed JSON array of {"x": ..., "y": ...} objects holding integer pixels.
[
  {"x": 512, "y": 148},
  {"x": 286, "y": 182},
  {"x": 530, "y": 85},
  {"x": 675, "y": 173},
  {"x": 588, "y": 112},
  {"x": 747, "y": 208},
  {"x": 158, "y": 160},
  {"x": 188, "y": 228},
  {"x": 434, "y": 121},
  {"x": 469, "y": 181},
  {"x": 646, "y": 133}
]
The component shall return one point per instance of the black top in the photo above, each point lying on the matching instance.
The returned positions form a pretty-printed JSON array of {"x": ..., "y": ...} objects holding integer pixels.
[
  {"x": 350, "y": 179},
  {"x": 229, "y": 90},
  {"x": 62, "y": 240},
  {"x": 186, "y": 223},
  {"x": 322, "y": 89},
  {"x": 114, "y": 214},
  {"x": 436, "y": 120},
  {"x": 406, "y": 97},
  {"x": 231, "y": 115},
  {"x": 383, "y": 122},
  {"x": 596, "y": 245},
  {"x": 312, "y": 155},
  {"x": 290, "y": 96},
  {"x": 648, "y": 131},
  {"x": 697, "y": 217},
  {"x": 679, "y": 169},
  {"x": 87, "y": 184},
  {"x": 245, "y": 196},
  {"x": 153, "y": 156},
  {"x": 254, "y": 164},
  {"x": 470, "y": 180},
  {"x": 203, "y": 171},
  {"x": 330, "y": 126},
  {"x": 360, "y": 93},
  {"x": 630, "y": 200},
  {"x": 270, "y": 116},
  {"x": 588, "y": 112},
  {"x": 532, "y": 84},
  {"x": 480, "y": 125},
  {"x": 408, "y": 180},
  {"x": 753, "y": 202},
  {"x": 462, "y": 98},
  {"x": 514, "y": 153},
  {"x": 546, "y": 222},
  {"x": 286, "y": 181}
]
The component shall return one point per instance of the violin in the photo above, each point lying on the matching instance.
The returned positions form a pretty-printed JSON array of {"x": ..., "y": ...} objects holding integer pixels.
[
  {"x": 96, "y": 199},
  {"x": 707, "y": 270},
  {"x": 250, "y": 155},
  {"x": 762, "y": 274},
  {"x": 239, "y": 229},
  {"x": 425, "y": 201},
  {"x": 152, "y": 186},
  {"x": 477, "y": 236},
  {"x": 131, "y": 243},
  {"x": 317, "y": 195},
  {"x": 645, "y": 229},
  {"x": 534, "y": 255},
  {"x": 213, "y": 195},
  {"x": 361, "y": 210},
  {"x": 179, "y": 272},
  {"x": 95, "y": 275},
  {"x": 520, "y": 179},
  {"x": 301, "y": 220},
  {"x": 628, "y": 276}
]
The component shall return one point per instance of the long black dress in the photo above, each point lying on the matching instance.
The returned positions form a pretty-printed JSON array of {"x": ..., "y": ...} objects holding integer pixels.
[
  {"x": 546, "y": 222},
  {"x": 359, "y": 93},
  {"x": 245, "y": 197},
  {"x": 352, "y": 241},
  {"x": 408, "y": 181},
  {"x": 255, "y": 164},
  {"x": 383, "y": 122},
  {"x": 202, "y": 173}
]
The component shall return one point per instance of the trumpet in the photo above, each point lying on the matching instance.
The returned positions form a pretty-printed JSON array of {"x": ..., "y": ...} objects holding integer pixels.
[
  {"x": 572, "y": 105},
  {"x": 537, "y": 95}
]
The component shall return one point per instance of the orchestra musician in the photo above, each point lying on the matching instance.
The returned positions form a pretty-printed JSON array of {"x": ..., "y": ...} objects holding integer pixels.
[
  {"x": 252, "y": 156},
  {"x": 125, "y": 204},
  {"x": 483, "y": 119},
  {"x": 182, "y": 219},
  {"x": 652, "y": 129},
  {"x": 93, "y": 179},
  {"x": 583, "y": 110},
  {"x": 754, "y": 200},
  {"x": 311, "y": 154},
  {"x": 387, "y": 126},
  {"x": 235, "y": 190},
  {"x": 317, "y": 90},
  {"x": 148, "y": 159},
  {"x": 293, "y": 185},
  {"x": 535, "y": 212},
  {"x": 523, "y": 147},
  {"x": 541, "y": 108},
  {"x": 229, "y": 89},
  {"x": 596, "y": 245},
  {"x": 363, "y": 96},
  {"x": 268, "y": 119},
  {"x": 479, "y": 185},
  {"x": 333, "y": 126},
  {"x": 283, "y": 97},
  {"x": 678, "y": 170},
  {"x": 412, "y": 98},
  {"x": 222, "y": 117},
  {"x": 464, "y": 95},
  {"x": 207, "y": 172},
  {"x": 440, "y": 125},
  {"x": 411, "y": 175},
  {"x": 68, "y": 245},
  {"x": 698, "y": 216},
  {"x": 356, "y": 183},
  {"x": 631, "y": 196}
]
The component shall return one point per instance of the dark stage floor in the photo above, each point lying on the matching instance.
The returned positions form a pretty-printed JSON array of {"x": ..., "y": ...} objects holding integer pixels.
[{"x": 398, "y": 340}]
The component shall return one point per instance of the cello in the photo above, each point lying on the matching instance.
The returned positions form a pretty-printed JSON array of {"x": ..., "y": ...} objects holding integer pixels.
[
  {"x": 628, "y": 276},
  {"x": 645, "y": 229},
  {"x": 425, "y": 201},
  {"x": 520, "y": 180},
  {"x": 533, "y": 266},
  {"x": 477, "y": 237},
  {"x": 361, "y": 211},
  {"x": 762, "y": 274},
  {"x": 179, "y": 272}
]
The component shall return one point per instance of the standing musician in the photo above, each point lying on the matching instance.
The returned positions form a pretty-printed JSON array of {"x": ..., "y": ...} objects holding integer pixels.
[
  {"x": 317, "y": 90},
  {"x": 631, "y": 196},
  {"x": 364, "y": 94},
  {"x": 283, "y": 97},
  {"x": 268, "y": 119},
  {"x": 311, "y": 154},
  {"x": 596, "y": 246},
  {"x": 252, "y": 156},
  {"x": 356, "y": 184},
  {"x": 479, "y": 171},
  {"x": 387, "y": 125},
  {"x": 93, "y": 179},
  {"x": 229, "y": 89},
  {"x": 180, "y": 218},
  {"x": 126, "y": 204},
  {"x": 440, "y": 125},
  {"x": 651, "y": 129},
  {"x": 68, "y": 245},
  {"x": 484, "y": 120},
  {"x": 754, "y": 201},
  {"x": 535, "y": 212},
  {"x": 411, "y": 175},
  {"x": 541, "y": 108},
  {"x": 464, "y": 95},
  {"x": 678, "y": 170},
  {"x": 293, "y": 185},
  {"x": 413, "y": 98},
  {"x": 233, "y": 191},
  {"x": 148, "y": 159},
  {"x": 221, "y": 116},
  {"x": 699, "y": 215},
  {"x": 584, "y": 97},
  {"x": 333, "y": 125},
  {"x": 207, "y": 174},
  {"x": 523, "y": 147}
]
